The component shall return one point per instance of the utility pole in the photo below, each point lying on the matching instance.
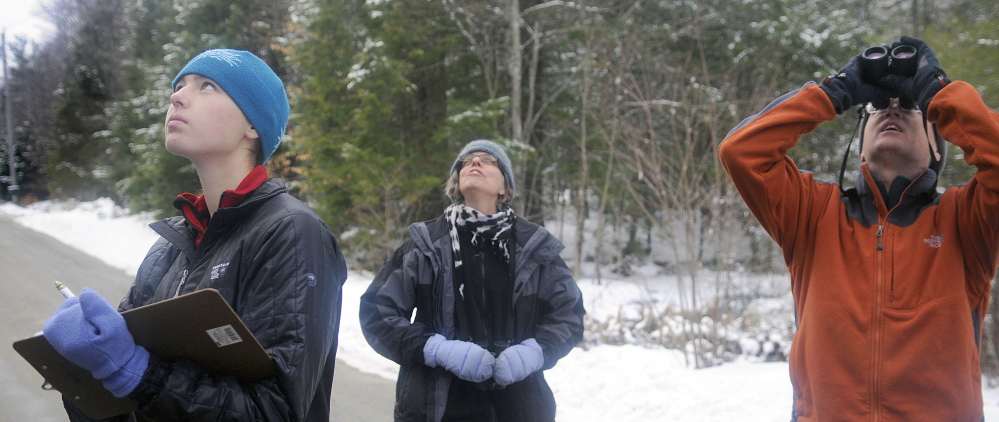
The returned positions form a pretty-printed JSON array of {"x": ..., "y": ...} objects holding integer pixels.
[{"x": 13, "y": 188}]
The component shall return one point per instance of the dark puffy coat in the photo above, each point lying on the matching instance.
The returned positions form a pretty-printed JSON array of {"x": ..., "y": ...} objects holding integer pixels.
[
  {"x": 547, "y": 306},
  {"x": 279, "y": 267}
]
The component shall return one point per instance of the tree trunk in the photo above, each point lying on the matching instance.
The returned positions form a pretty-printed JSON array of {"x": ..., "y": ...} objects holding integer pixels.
[{"x": 515, "y": 67}]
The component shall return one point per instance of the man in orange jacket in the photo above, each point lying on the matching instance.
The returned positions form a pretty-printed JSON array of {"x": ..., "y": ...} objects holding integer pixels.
[{"x": 890, "y": 278}]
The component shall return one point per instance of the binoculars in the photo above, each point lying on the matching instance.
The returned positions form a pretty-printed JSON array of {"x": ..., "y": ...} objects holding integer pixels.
[{"x": 876, "y": 62}]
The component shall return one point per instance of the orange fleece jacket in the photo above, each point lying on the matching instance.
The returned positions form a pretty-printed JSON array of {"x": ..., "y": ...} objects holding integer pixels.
[{"x": 889, "y": 316}]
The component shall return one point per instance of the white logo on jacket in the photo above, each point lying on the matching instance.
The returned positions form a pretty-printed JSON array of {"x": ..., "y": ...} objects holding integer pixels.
[
  {"x": 934, "y": 241},
  {"x": 219, "y": 270}
]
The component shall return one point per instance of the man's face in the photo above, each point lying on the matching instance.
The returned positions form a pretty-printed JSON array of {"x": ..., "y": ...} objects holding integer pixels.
[{"x": 895, "y": 137}]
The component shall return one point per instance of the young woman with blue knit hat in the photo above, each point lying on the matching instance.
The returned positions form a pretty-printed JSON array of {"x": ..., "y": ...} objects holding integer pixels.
[
  {"x": 266, "y": 252},
  {"x": 495, "y": 304}
]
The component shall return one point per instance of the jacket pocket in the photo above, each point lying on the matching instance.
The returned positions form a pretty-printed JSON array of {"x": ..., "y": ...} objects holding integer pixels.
[{"x": 920, "y": 271}]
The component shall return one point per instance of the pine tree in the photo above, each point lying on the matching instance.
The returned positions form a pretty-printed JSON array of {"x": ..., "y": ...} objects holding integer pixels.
[
  {"x": 383, "y": 108},
  {"x": 95, "y": 41}
]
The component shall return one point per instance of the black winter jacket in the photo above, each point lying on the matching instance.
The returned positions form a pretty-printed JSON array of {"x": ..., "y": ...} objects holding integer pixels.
[
  {"x": 547, "y": 306},
  {"x": 281, "y": 270}
]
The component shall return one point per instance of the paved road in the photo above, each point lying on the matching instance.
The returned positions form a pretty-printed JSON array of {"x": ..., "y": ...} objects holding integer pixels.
[{"x": 29, "y": 264}]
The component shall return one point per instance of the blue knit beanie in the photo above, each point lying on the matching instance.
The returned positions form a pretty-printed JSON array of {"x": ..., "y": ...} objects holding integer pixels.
[
  {"x": 252, "y": 85},
  {"x": 497, "y": 151}
]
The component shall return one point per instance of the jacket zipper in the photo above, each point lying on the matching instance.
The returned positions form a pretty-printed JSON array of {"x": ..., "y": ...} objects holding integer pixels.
[
  {"x": 878, "y": 311},
  {"x": 490, "y": 336},
  {"x": 183, "y": 279},
  {"x": 881, "y": 247},
  {"x": 482, "y": 274}
]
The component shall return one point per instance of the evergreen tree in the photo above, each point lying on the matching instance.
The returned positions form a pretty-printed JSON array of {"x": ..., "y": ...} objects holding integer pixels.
[
  {"x": 383, "y": 108},
  {"x": 77, "y": 165},
  {"x": 31, "y": 78}
]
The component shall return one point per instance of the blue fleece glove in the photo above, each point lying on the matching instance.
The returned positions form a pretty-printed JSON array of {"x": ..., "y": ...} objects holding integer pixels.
[
  {"x": 928, "y": 80},
  {"x": 848, "y": 88},
  {"x": 468, "y": 361},
  {"x": 517, "y": 362},
  {"x": 91, "y": 333}
]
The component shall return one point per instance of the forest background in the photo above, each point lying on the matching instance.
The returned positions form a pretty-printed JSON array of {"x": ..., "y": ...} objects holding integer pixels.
[{"x": 610, "y": 109}]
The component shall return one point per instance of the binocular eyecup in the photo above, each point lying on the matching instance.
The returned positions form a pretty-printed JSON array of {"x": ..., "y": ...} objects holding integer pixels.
[{"x": 876, "y": 62}]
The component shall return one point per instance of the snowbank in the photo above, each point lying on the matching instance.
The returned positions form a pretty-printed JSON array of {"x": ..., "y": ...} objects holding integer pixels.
[{"x": 604, "y": 382}]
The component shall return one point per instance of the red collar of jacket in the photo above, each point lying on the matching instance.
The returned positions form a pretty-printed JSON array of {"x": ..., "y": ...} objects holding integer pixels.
[{"x": 195, "y": 209}]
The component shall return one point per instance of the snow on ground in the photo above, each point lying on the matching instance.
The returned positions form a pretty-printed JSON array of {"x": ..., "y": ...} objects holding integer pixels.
[{"x": 628, "y": 383}]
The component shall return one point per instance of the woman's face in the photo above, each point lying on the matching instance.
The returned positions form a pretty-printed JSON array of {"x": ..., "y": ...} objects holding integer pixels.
[
  {"x": 480, "y": 179},
  {"x": 203, "y": 122}
]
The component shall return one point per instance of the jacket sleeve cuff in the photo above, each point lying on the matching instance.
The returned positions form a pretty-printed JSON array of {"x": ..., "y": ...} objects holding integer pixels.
[
  {"x": 152, "y": 381},
  {"x": 430, "y": 350}
]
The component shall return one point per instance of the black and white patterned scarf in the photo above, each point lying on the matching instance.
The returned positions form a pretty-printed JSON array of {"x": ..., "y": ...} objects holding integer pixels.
[{"x": 494, "y": 228}]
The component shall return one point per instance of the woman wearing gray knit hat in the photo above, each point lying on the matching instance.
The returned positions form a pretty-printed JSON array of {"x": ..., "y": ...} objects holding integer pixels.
[
  {"x": 267, "y": 253},
  {"x": 495, "y": 304}
]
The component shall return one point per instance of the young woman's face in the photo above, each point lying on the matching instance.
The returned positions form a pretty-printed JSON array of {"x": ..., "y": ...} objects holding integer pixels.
[
  {"x": 481, "y": 179},
  {"x": 203, "y": 122}
]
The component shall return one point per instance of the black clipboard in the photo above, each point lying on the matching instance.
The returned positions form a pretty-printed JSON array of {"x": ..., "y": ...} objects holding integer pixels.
[{"x": 200, "y": 327}]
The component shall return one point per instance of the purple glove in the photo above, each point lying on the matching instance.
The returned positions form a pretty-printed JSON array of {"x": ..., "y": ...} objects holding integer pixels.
[
  {"x": 519, "y": 361},
  {"x": 89, "y": 332},
  {"x": 468, "y": 361}
]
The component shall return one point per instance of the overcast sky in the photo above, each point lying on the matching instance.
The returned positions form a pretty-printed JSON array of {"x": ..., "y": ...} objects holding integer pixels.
[{"x": 24, "y": 18}]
